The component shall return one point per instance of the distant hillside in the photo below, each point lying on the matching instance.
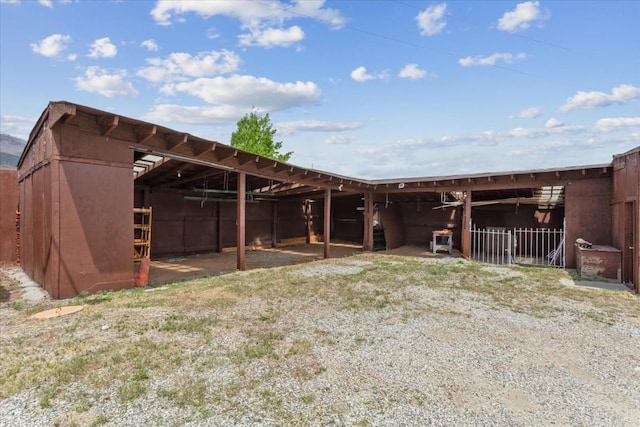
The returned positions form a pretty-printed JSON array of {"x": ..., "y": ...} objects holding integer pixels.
[{"x": 10, "y": 149}]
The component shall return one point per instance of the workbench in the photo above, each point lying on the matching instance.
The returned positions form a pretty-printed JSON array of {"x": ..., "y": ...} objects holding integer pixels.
[{"x": 442, "y": 239}]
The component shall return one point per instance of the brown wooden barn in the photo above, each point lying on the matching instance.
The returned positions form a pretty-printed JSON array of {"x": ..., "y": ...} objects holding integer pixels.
[{"x": 84, "y": 171}]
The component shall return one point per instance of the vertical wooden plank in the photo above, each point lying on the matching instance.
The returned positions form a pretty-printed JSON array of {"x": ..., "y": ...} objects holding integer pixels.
[
  {"x": 327, "y": 223},
  {"x": 219, "y": 226},
  {"x": 466, "y": 225},
  {"x": 274, "y": 224},
  {"x": 307, "y": 220},
  {"x": 240, "y": 221},
  {"x": 367, "y": 243}
]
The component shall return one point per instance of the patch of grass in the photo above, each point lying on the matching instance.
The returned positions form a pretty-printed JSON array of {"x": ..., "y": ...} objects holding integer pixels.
[
  {"x": 308, "y": 398},
  {"x": 299, "y": 346},
  {"x": 17, "y": 305},
  {"x": 237, "y": 322},
  {"x": 200, "y": 325},
  {"x": 44, "y": 397},
  {"x": 83, "y": 404},
  {"x": 188, "y": 391},
  {"x": 100, "y": 420},
  {"x": 131, "y": 390},
  {"x": 258, "y": 350}
]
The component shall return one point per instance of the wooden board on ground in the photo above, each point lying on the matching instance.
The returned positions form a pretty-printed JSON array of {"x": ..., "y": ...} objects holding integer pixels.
[{"x": 57, "y": 312}]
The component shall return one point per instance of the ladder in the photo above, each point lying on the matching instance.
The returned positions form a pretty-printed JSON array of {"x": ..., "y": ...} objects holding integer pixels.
[{"x": 141, "y": 233}]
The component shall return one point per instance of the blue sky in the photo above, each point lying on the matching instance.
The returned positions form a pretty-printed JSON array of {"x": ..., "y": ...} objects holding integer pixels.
[{"x": 373, "y": 89}]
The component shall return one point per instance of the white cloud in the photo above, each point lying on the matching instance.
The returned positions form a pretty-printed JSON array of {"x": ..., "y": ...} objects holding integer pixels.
[
  {"x": 150, "y": 45},
  {"x": 251, "y": 14},
  {"x": 590, "y": 100},
  {"x": 19, "y": 126},
  {"x": 51, "y": 46},
  {"x": 491, "y": 59},
  {"x": 553, "y": 123},
  {"x": 103, "y": 48},
  {"x": 521, "y": 17},
  {"x": 248, "y": 92},
  {"x": 180, "y": 65},
  {"x": 543, "y": 132},
  {"x": 317, "y": 126},
  {"x": 46, "y": 3},
  {"x": 204, "y": 115},
  {"x": 612, "y": 124},
  {"x": 412, "y": 71},
  {"x": 98, "y": 80},
  {"x": 488, "y": 137},
  {"x": 72, "y": 57},
  {"x": 530, "y": 113},
  {"x": 340, "y": 139},
  {"x": 360, "y": 75},
  {"x": 432, "y": 20},
  {"x": 271, "y": 37}
]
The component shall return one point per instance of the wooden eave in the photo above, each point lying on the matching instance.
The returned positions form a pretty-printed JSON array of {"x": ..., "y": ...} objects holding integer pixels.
[
  {"x": 165, "y": 142},
  {"x": 182, "y": 147}
]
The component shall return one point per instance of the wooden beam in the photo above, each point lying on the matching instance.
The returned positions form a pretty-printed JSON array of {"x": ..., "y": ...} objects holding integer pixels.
[
  {"x": 61, "y": 112},
  {"x": 327, "y": 223},
  {"x": 367, "y": 243},
  {"x": 145, "y": 133},
  {"x": 175, "y": 141},
  {"x": 219, "y": 226},
  {"x": 274, "y": 224},
  {"x": 241, "y": 230},
  {"x": 466, "y": 225},
  {"x": 108, "y": 124}
]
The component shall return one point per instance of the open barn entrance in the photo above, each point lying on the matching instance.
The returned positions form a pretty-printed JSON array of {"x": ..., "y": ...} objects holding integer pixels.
[
  {"x": 524, "y": 226},
  {"x": 196, "y": 215}
]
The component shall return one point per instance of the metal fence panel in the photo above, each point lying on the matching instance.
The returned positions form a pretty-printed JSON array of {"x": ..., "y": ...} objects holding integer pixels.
[{"x": 544, "y": 247}]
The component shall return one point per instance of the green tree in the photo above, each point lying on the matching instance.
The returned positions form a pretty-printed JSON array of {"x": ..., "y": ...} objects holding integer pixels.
[{"x": 255, "y": 135}]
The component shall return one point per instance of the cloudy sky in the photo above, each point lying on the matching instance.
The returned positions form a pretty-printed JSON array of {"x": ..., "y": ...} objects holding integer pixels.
[{"x": 372, "y": 89}]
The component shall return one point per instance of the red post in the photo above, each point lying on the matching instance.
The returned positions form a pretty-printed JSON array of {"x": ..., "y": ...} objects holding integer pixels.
[
  {"x": 466, "y": 225},
  {"x": 240, "y": 221},
  {"x": 368, "y": 222},
  {"x": 327, "y": 223}
]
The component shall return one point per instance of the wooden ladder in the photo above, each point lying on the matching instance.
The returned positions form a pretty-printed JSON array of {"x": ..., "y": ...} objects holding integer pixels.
[{"x": 141, "y": 233}]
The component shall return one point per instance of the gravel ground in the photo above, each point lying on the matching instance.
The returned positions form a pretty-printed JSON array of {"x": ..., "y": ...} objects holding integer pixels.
[{"x": 424, "y": 356}]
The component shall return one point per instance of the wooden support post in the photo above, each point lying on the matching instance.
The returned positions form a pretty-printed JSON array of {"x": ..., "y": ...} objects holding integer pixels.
[
  {"x": 466, "y": 225},
  {"x": 327, "y": 223},
  {"x": 274, "y": 224},
  {"x": 219, "y": 226},
  {"x": 367, "y": 243},
  {"x": 307, "y": 219},
  {"x": 240, "y": 221}
]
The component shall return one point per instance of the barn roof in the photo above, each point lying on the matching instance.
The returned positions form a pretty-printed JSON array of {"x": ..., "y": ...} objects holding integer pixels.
[{"x": 177, "y": 160}]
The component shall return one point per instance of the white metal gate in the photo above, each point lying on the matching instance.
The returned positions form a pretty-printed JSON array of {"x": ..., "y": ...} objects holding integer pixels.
[{"x": 543, "y": 247}]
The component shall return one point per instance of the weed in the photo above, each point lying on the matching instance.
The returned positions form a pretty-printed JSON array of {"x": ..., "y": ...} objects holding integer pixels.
[
  {"x": 131, "y": 390},
  {"x": 44, "y": 398},
  {"x": 308, "y": 398},
  {"x": 83, "y": 404},
  {"x": 100, "y": 420},
  {"x": 258, "y": 350},
  {"x": 187, "y": 391},
  {"x": 299, "y": 346},
  {"x": 201, "y": 325}
]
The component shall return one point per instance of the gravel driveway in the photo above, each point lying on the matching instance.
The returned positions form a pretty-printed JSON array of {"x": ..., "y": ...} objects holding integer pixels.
[{"x": 368, "y": 341}]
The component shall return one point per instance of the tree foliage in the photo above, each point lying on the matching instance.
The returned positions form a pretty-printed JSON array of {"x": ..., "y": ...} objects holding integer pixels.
[{"x": 255, "y": 135}]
